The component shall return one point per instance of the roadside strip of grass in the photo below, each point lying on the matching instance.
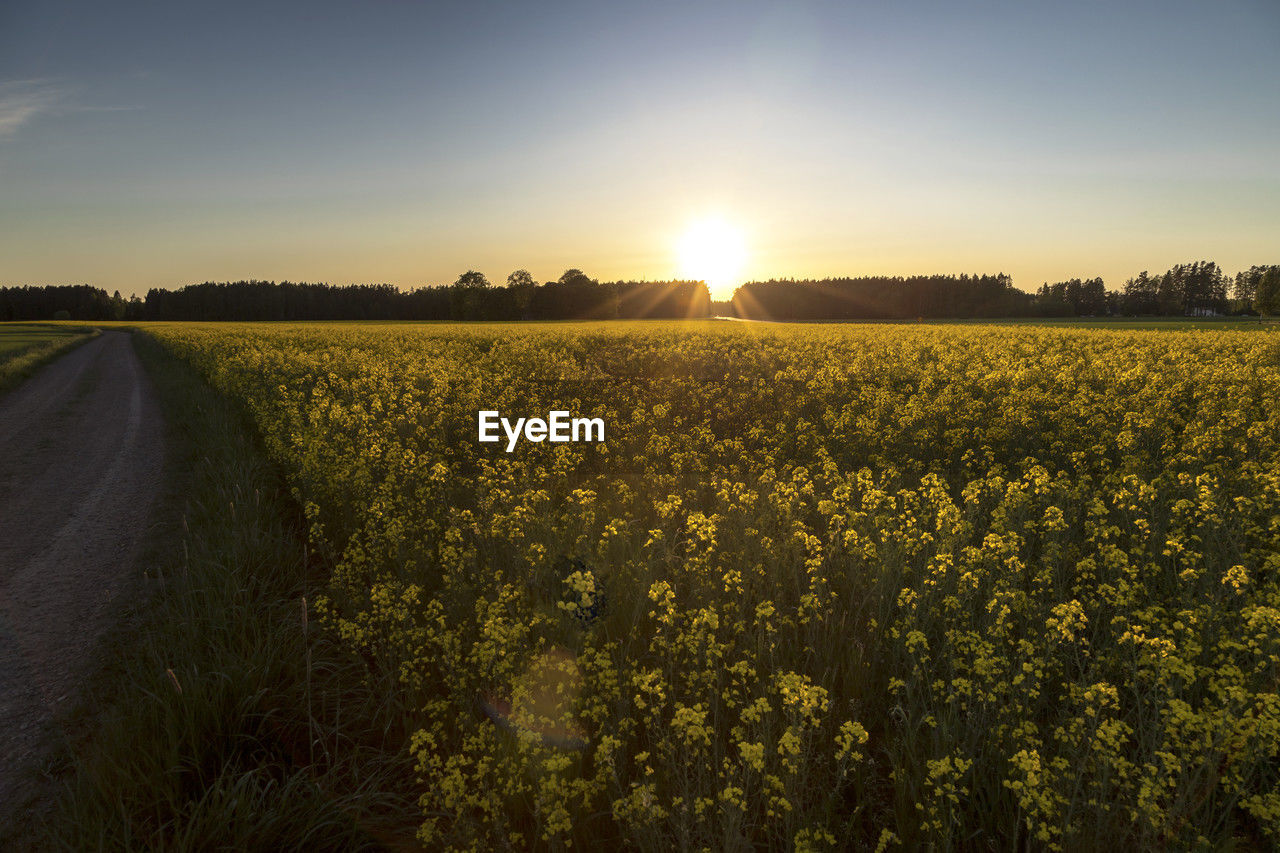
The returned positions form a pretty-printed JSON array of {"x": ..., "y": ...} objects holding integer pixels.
[
  {"x": 18, "y": 363},
  {"x": 216, "y": 718}
]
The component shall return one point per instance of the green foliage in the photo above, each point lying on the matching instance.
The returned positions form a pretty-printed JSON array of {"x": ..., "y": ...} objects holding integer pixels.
[
  {"x": 24, "y": 349},
  {"x": 1073, "y": 298},
  {"x": 1182, "y": 290},
  {"x": 1245, "y": 287},
  {"x": 219, "y": 719}
]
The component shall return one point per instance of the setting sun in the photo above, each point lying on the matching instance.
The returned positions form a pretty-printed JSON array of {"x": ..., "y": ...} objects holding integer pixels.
[{"x": 713, "y": 251}]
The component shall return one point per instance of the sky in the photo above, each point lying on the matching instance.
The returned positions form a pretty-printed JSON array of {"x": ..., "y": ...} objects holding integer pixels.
[{"x": 157, "y": 144}]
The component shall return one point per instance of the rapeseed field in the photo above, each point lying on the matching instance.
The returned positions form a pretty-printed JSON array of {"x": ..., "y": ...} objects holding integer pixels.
[{"x": 819, "y": 587}]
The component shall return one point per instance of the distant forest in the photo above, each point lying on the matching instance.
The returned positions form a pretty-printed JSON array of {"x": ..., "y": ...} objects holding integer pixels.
[
  {"x": 1195, "y": 289},
  {"x": 472, "y": 297}
]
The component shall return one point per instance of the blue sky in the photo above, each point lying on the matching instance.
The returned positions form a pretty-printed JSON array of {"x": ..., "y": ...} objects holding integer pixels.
[{"x": 157, "y": 144}]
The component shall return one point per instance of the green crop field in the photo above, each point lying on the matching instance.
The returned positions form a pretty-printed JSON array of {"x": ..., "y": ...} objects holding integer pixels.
[
  {"x": 17, "y": 337},
  {"x": 820, "y": 585},
  {"x": 25, "y": 346}
]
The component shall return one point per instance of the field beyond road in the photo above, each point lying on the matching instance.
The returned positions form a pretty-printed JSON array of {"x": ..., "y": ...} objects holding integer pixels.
[
  {"x": 25, "y": 347},
  {"x": 16, "y": 337},
  {"x": 81, "y": 453}
]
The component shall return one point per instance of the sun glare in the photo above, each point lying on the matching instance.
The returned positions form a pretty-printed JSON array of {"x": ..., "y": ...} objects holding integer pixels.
[{"x": 713, "y": 251}]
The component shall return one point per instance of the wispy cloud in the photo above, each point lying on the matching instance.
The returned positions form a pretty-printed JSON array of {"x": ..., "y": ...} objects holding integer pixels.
[{"x": 23, "y": 100}]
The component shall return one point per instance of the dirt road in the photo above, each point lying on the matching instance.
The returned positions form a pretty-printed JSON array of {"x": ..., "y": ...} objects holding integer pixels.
[{"x": 81, "y": 453}]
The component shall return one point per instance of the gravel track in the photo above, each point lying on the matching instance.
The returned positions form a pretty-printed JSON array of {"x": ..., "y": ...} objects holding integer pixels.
[{"x": 81, "y": 460}]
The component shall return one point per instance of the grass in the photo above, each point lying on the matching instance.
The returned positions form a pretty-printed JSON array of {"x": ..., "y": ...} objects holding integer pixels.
[
  {"x": 217, "y": 718},
  {"x": 15, "y": 337},
  {"x": 25, "y": 347}
]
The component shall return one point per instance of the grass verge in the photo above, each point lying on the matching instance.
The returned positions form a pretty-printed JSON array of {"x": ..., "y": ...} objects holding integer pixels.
[
  {"x": 215, "y": 717},
  {"x": 18, "y": 364}
]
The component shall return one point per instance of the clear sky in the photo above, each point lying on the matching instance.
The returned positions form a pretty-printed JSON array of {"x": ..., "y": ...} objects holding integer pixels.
[{"x": 149, "y": 144}]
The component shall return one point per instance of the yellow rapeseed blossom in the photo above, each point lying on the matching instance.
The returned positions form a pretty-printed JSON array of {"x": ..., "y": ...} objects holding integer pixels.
[{"x": 823, "y": 585}]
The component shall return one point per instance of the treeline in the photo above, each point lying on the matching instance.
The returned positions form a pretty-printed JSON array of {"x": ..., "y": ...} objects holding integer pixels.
[
  {"x": 1186, "y": 290},
  {"x": 573, "y": 296},
  {"x": 1074, "y": 298},
  {"x": 883, "y": 298},
  {"x": 68, "y": 302},
  {"x": 1193, "y": 289},
  {"x": 1259, "y": 286},
  {"x": 1199, "y": 288},
  {"x": 268, "y": 300}
]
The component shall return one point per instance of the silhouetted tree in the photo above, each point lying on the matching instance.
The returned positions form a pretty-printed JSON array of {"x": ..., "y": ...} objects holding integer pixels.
[
  {"x": 1139, "y": 295},
  {"x": 1244, "y": 289},
  {"x": 575, "y": 278},
  {"x": 80, "y": 302},
  {"x": 470, "y": 297},
  {"x": 472, "y": 279},
  {"x": 520, "y": 278},
  {"x": 521, "y": 286},
  {"x": 659, "y": 299},
  {"x": 1195, "y": 288},
  {"x": 1267, "y": 292},
  {"x": 1187, "y": 288},
  {"x": 1072, "y": 298},
  {"x": 882, "y": 298}
]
